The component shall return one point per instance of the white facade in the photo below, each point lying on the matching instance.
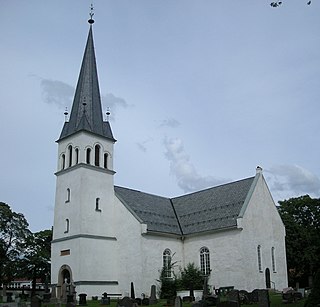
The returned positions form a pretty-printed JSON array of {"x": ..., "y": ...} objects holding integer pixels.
[{"x": 102, "y": 242}]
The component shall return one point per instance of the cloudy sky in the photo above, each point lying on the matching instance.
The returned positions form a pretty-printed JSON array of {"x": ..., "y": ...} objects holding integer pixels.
[{"x": 200, "y": 93}]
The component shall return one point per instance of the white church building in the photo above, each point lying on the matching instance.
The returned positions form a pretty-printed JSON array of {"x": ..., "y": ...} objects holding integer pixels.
[{"x": 107, "y": 236}]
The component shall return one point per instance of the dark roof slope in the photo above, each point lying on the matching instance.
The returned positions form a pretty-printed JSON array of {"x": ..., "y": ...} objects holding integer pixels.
[
  {"x": 211, "y": 209},
  {"x": 86, "y": 112},
  {"x": 156, "y": 211}
]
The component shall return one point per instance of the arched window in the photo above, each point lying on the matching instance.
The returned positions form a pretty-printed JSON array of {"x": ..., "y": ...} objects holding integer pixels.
[
  {"x": 205, "y": 261},
  {"x": 77, "y": 155},
  {"x": 97, "y": 155},
  {"x": 259, "y": 258},
  {"x": 88, "y": 155},
  {"x": 68, "y": 195},
  {"x": 98, "y": 204},
  {"x": 105, "y": 160},
  {"x": 273, "y": 260},
  {"x": 70, "y": 155},
  {"x": 67, "y": 226},
  {"x": 63, "y": 160},
  {"x": 167, "y": 263}
]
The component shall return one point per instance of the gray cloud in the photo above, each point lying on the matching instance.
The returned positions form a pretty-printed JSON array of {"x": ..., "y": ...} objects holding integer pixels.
[
  {"x": 294, "y": 179},
  {"x": 142, "y": 145},
  {"x": 169, "y": 122},
  {"x": 61, "y": 94},
  {"x": 57, "y": 92},
  {"x": 182, "y": 168}
]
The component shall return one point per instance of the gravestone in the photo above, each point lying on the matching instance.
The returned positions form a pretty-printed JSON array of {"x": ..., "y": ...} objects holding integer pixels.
[
  {"x": 126, "y": 302},
  {"x": 132, "y": 291},
  {"x": 233, "y": 295},
  {"x": 153, "y": 299},
  {"x": 187, "y": 299},
  {"x": 177, "y": 302},
  {"x": 254, "y": 296},
  {"x": 4, "y": 294},
  {"x": 145, "y": 301},
  {"x": 83, "y": 299},
  {"x": 105, "y": 299},
  {"x": 263, "y": 298}
]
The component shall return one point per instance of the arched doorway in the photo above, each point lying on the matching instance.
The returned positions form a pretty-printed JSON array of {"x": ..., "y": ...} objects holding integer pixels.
[
  {"x": 65, "y": 276},
  {"x": 268, "y": 281}
]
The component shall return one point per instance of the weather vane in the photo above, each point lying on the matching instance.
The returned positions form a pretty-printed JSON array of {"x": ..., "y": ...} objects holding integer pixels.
[{"x": 91, "y": 21}]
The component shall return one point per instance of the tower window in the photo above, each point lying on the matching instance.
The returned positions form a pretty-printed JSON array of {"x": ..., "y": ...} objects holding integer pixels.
[
  {"x": 67, "y": 226},
  {"x": 77, "y": 155},
  {"x": 166, "y": 256},
  {"x": 70, "y": 155},
  {"x": 68, "y": 196},
  {"x": 88, "y": 156},
  {"x": 63, "y": 160},
  {"x": 97, "y": 155},
  {"x": 105, "y": 160},
  {"x": 98, "y": 204},
  {"x": 205, "y": 261},
  {"x": 259, "y": 258}
]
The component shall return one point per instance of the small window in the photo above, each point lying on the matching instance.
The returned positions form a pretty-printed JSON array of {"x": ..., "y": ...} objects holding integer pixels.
[
  {"x": 88, "y": 157},
  {"x": 77, "y": 155},
  {"x": 67, "y": 226},
  {"x": 259, "y": 258},
  {"x": 65, "y": 252},
  {"x": 70, "y": 155},
  {"x": 68, "y": 196},
  {"x": 97, "y": 155},
  {"x": 98, "y": 204},
  {"x": 63, "y": 160},
  {"x": 205, "y": 261},
  {"x": 167, "y": 263},
  {"x": 105, "y": 160},
  {"x": 273, "y": 260}
]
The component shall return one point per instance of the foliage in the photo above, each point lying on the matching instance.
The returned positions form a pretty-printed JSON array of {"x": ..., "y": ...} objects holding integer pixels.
[
  {"x": 13, "y": 235},
  {"x": 301, "y": 217},
  {"x": 314, "y": 297},
  {"x": 190, "y": 276},
  {"x": 35, "y": 262},
  {"x": 168, "y": 286}
]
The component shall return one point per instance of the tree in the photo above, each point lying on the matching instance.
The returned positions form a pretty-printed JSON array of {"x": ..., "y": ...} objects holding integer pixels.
[
  {"x": 301, "y": 217},
  {"x": 13, "y": 235},
  {"x": 191, "y": 276},
  {"x": 35, "y": 262}
]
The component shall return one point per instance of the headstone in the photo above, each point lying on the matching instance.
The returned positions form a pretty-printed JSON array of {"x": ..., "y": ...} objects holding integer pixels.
[
  {"x": 105, "y": 299},
  {"x": 178, "y": 302},
  {"x": 191, "y": 291},
  {"x": 145, "y": 301},
  {"x": 254, "y": 296},
  {"x": 233, "y": 295},
  {"x": 64, "y": 292},
  {"x": 82, "y": 299},
  {"x": 153, "y": 299},
  {"x": 205, "y": 287},
  {"x": 126, "y": 302},
  {"x": 264, "y": 298},
  {"x": 187, "y": 299},
  {"x": 212, "y": 300},
  {"x": 132, "y": 291},
  {"x": 4, "y": 294},
  {"x": 53, "y": 292}
]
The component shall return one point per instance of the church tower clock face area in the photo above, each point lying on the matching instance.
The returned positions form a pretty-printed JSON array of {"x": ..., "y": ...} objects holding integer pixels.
[{"x": 84, "y": 188}]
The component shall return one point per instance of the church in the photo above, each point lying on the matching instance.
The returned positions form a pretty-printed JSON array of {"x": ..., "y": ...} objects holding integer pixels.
[{"x": 107, "y": 236}]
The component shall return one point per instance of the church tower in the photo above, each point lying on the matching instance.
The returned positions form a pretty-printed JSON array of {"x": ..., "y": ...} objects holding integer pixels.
[{"x": 84, "y": 202}]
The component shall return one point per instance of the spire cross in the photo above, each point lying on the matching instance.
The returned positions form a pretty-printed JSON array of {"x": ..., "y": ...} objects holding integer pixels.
[{"x": 91, "y": 21}]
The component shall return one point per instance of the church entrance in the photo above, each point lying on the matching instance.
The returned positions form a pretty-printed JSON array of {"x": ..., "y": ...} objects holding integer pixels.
[
  {"x": 64, "y": 281},
  {"x": 268, "y": 280}
]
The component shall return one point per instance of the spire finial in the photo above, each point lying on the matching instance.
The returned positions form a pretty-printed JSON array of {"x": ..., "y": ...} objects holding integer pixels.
[
  {"x": 66, "y": 114},
  {"x": 91, "y": 21}
]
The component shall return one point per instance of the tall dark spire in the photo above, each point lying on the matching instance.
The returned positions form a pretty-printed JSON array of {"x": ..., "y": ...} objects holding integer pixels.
[{"x": 86, "y": 112}]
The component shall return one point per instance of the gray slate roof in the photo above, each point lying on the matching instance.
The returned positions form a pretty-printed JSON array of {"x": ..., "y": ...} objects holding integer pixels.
[
  {"x": 86, "y": 112},
  {"x": 210, "y": 209}
]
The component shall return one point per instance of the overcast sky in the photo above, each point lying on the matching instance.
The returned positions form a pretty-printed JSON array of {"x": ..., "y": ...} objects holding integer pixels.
[{"x": 200, "y": 93}]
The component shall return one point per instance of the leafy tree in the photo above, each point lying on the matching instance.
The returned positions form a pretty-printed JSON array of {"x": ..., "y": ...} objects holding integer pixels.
[
  {"x": 35, "y": 262},
  {"x": 314, "y": 297},
  {"x": 13, "y": 235},
  {"x": 191, "y": 276},
  {"x": 168, "y": 285},
  {"x": 301, "y": 217}
]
